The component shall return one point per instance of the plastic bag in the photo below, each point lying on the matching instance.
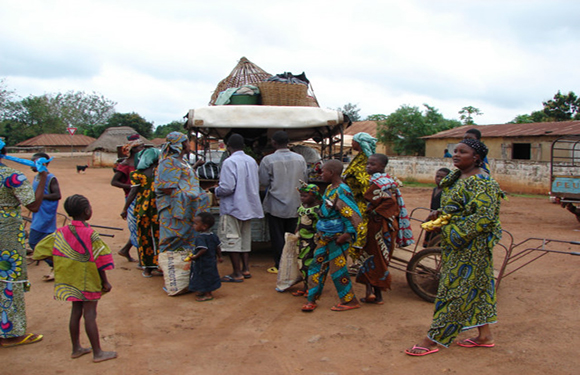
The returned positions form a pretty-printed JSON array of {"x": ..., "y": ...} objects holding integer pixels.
[{"x": 209, "y": 171}]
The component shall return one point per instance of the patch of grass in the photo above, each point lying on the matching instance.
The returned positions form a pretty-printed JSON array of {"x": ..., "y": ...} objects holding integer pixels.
[
  {"x": 415, "y": 183},
  {"x": 527, "y": 195}
]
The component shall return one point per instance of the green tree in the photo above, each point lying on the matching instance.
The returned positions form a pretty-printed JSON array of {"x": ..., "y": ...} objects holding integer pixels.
[
  {"x": 562, "y": 107},
  {"x": 5, "y": 98},
  {"x": 53, "y": 113},
  {"x": 351, "y": 110},
  {"x": 174, "y": 126},
  {"x": 133, "y": 120},
  {"x": 405, "y": 127},
  {"x": 30, "y": 117},
  {"x": 377, "y": 117},
  {"x": 535, "y": 116},
  {"x": 83, "y": 110},
  {"x": 467, "y": 113}
]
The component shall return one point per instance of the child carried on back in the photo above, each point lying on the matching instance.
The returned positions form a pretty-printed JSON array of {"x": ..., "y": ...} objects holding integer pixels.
[{"x": 306, "y": 230}]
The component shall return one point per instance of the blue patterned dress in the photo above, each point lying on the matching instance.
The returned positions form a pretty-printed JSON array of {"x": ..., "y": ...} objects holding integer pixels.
[{"x": 177, "y": 210}]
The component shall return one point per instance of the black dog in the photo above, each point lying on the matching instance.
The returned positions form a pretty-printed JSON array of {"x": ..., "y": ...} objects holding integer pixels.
[{"x": 81, "y": 168}]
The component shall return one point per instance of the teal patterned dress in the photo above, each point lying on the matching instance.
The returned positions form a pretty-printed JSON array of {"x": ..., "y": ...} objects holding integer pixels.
[
  {"x": 338, "y": 214},
  {"x": 466, "y": 297},
  {"x": 15, "y": 190}
]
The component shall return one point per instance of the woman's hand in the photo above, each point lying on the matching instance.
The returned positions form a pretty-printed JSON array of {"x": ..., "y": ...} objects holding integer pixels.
[
  {"x": 124, "y": 214},
  {"x": 167, "y": 191},
  {"x": 433, "y": 215},
  {"x": 343, "y": 238}
]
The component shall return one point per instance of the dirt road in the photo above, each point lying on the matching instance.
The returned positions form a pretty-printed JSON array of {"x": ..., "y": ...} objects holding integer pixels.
[{"x": 251, "y": 329}]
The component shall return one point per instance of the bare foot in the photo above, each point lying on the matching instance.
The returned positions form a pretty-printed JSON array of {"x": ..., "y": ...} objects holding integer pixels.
[
  {"x": 125, "y": 253},
  {"x": 80, "y": 352},
  {"x": 104, "y": 356}
]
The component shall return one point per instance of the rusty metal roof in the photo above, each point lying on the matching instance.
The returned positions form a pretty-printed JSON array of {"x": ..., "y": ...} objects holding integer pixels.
[
  {"x": 534, "y": 129},
  {"x": 53, "y": 140},
  {"x": 369, "y": 127}
]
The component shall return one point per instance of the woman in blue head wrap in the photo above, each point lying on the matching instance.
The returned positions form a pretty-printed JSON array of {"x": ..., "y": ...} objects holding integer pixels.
[
  {"x": 357, "y": 179},
  {"x": 179, "y": 196}
]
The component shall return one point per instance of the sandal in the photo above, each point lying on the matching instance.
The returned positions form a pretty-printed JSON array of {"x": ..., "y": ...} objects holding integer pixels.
[
  {"x": 31, "y": 338},
  {"x": 309, "y": 307},
  {"x": 156, "y": 272},
  {"x": 299, "y": 293}
]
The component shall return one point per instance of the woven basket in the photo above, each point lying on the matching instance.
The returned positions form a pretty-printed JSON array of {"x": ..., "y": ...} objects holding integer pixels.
[
  {"x": 283, "y": 94},
  {"x": 311, "y": 101}
]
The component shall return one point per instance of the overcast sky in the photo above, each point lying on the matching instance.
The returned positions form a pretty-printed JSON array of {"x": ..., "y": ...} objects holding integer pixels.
[{"x": 162, "y": 58}]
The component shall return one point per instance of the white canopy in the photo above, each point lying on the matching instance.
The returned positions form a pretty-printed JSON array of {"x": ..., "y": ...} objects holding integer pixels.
[{"x": 300, "y": 122}]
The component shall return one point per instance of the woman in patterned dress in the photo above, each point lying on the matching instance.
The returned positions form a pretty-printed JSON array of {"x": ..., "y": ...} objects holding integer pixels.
[
  {"x": 179, "y": 196},
  {"x": 357, "y": 179},
  {"x": 145, "y": 210},
  {"x": 466, "y": 297},
  {"x": 15, "y": 191}
]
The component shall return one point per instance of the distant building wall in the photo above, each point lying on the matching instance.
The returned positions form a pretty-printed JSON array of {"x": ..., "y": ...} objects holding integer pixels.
[
  {"x": 104, "y": 159},
  {"x": 514, "y": 176},
  {"x": 499, "y": 148}
]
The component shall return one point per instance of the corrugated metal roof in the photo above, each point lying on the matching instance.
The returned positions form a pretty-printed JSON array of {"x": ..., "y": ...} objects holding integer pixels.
[
  {"x": 53, "y": 140},
  {"x": 534, "y": 129},
  {"x": 369, "y": 127}
]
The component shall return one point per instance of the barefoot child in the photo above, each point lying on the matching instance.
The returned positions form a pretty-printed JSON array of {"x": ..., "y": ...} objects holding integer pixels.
[
  {"x": 306, "y": 230},
  {"x": 338, "y": 224},
  {"x": 80, "y": 260},
  {"x": 388, "y": 225},
  {"x": 204, "y": 277}
]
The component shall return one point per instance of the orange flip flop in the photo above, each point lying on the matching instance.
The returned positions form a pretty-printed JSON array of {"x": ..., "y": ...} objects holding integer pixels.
[{"x": 309, "y": 307}]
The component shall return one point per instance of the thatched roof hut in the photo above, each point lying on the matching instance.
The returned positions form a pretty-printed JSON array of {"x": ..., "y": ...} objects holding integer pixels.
[
  {"x": 113, "y": 137},
  {"x": 245, "y": 73}
]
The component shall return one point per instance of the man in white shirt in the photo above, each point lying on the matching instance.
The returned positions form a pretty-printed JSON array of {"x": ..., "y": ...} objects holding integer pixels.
[{"x": 239, "y": 194}]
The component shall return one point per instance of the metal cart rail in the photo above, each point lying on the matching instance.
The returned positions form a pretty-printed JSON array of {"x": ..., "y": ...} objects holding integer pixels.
[{"x": 422, "y": 265}]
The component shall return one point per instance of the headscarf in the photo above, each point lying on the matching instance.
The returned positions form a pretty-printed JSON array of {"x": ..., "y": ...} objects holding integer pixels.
[
  {"x": 368, "y": 143},
  {"x": 311, "y": 189},
  {"x": 173, "y": 144},
  {"x": 147, "y": 158},
  {"x": 477, "y": 146},
  {"x": 131, "y": 144}
]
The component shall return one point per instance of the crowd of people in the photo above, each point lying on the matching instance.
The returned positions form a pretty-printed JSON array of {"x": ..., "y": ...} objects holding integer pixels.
[{"x": 358, "y": 220}]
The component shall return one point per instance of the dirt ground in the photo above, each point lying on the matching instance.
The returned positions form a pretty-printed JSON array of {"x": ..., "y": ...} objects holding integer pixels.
[{"x": 252, "y": 329}]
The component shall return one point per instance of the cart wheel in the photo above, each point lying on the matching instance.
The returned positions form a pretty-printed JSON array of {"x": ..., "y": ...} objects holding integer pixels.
[{"x": 423, "y": 273}]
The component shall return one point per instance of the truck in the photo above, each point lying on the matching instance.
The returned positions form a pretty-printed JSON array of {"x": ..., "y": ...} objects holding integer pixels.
[
  {"x": 256, "y": 123},
  {"x": 565, "y": 172}
]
